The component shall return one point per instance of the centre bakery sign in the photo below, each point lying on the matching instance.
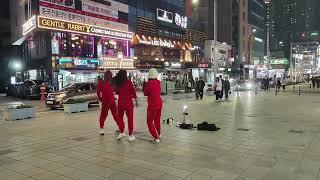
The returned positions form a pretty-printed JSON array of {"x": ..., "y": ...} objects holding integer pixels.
[{"x": 49, "y": 23}]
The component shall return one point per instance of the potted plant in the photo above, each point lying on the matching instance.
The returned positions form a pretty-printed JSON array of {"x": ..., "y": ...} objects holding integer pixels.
[
  {"x": 20, "y": 112},
  {"x": 75, "y": 105}
]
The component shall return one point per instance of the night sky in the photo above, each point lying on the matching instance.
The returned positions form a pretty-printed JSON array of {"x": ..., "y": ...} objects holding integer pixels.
[{"x": 4, "y": 9}]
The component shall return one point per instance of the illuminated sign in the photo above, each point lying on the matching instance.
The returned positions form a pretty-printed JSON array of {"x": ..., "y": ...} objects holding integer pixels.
[
  {"x": 29, "y": 25},
  {"x": 279, "y": 61},
  {"x": 157, "y": 43},
  {"x": 115, "y": 63},
  {"x": 65, "y": 3},
  {"x": 173, "y": 64},
  {"x": 165, "y": 16},
  {"x": 203, "y": 65},
  {"x": 48, "y": 23},
  {"x": 181, "y": 21},
  {"x": 76, "y": 63}
]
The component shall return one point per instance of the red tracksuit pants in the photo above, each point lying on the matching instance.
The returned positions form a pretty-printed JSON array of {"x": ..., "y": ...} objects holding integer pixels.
[
  {"x": 104, "y": 113},
  {"x": 128, "y": 109},
  {"x": 153, "y": 120}
]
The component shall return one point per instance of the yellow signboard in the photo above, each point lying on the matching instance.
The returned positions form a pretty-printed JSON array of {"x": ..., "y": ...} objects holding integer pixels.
[{"x": 49, "y": 23}]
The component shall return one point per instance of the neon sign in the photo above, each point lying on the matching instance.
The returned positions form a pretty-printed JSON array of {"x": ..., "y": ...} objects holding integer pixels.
[
  {"x": 49, "y": 23},
  {"x": 29, "y": 25},
  {"x": 165, "y": 16}
]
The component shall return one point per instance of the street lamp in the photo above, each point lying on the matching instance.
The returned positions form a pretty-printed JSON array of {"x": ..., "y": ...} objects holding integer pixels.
[
  {"x": 195, "y": 2},
  {"x": 17, "y": 66}
]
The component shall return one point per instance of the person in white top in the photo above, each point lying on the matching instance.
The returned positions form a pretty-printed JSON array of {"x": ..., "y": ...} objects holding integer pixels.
[{"x": 218, "y": 89}]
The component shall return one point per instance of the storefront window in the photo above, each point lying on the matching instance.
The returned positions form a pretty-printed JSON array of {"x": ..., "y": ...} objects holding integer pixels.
[
  {"x": 75, "y": 45},
  {"x": 108, "y": 47}
]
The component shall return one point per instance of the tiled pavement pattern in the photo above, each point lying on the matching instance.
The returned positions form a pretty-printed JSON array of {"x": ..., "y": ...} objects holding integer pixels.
[{"x": 262, "y": 137}]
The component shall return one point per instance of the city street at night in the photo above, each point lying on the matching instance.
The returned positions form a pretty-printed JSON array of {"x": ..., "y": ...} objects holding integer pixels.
[{"x": 262, "y": 136}]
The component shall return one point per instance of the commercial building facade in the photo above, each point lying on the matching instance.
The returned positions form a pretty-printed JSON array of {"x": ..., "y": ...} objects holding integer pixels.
[{"x": 73, "y": 41}]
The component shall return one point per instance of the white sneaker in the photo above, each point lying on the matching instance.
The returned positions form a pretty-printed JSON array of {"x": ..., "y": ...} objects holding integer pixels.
[
  {"x": 101, "y": 132},
  {"x": 131, "y": 138},
  {"x": 121, "y": 135},
  {"x": 156, "y": 141}
]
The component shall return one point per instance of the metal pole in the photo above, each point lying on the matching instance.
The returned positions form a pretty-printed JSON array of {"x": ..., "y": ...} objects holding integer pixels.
[
  {"x": 291, "y": 62},
  {"x": 216, "y": 66}
]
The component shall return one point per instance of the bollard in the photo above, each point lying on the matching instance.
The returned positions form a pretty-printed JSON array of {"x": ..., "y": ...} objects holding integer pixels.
[
  {"x": 256, "y": 90},
  {"x": 299, "y": 90}
]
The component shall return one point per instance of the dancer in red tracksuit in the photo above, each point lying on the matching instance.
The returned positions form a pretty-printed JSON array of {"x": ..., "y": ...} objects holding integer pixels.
[
  {"x": 106, "y": 97},
  {"x": 126, "y": 93},
  {"x": 152, "y": 89}
]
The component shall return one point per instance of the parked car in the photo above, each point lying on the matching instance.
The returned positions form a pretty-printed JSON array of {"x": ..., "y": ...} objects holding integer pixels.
[
  {"x": 30, "y": 89},
  {"x": 74, "y": 91},
  {"x": 11, "y": 90}
]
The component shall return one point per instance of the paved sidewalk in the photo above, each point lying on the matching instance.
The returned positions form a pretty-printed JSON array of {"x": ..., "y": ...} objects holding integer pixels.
[{"x": 262, "y": 137}]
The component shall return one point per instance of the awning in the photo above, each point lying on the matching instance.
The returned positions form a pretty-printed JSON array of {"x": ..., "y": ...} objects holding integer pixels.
[{"x": 19, "y": 41}]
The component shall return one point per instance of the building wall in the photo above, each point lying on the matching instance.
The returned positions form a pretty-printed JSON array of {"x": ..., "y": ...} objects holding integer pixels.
[
  {"x": 256, "y": 20},
  {"x": 203, "y": 19},
  {"x": 243, "y": 31}
]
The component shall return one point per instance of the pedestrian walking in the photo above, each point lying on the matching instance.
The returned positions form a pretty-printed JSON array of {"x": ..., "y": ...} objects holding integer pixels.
[
  {"x": 107, "y": 100},
  {"x": 222, "y": 90},
  {"x": 153, "y": 91},
  {"x": 284, "y": 83},
  {"x": 202, "y": 84},
  {"x": 278, "y": 84},
  {"x": 226, "y": 88},
  {"x": 313, "y": 82},
  {"x": 218, "y": 89},
  {"x": 126, "y": 93},
  {"x": 265, "y": 82},
  {"x": 197, "y": 88}
]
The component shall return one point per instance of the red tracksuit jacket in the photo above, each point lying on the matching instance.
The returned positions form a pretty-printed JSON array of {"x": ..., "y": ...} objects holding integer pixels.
[
  {"x": 152, "y": 89},
  {"x": 126, "y": 92},
  {"x": 105, "y": 92}
]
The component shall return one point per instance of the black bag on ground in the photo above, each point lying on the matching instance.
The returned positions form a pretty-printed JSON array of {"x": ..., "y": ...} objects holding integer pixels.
[
  {"x": 202, "y": 126},
  {"x": 212, "y": 127},
  {"x": 207, "y": 127},
  {"x": 186, "y": 126}
]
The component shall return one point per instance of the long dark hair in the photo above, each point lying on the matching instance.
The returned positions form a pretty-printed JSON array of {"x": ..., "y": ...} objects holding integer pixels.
[
  {"x": 120, "y": 78},
  {"x": 108, "y": 76}
]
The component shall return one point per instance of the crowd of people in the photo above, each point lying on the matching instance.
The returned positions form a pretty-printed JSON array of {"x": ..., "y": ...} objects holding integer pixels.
[{"x": 124, "y": 87}]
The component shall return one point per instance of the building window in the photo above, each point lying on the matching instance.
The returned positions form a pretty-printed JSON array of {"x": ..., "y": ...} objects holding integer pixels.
[{"x": 108, "y": 47}]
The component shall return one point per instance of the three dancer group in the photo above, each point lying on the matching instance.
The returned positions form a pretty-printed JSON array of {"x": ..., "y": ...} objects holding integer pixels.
[{"x": 122, "y": 86}]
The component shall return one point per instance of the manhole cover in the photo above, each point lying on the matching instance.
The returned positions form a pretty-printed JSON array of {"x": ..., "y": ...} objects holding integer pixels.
[
  {"x": 296, "y": 131},
  {"x": 243, "y": 129},
  {"x": 80, "y": 139},
  {"x": 4, "y": 152}
]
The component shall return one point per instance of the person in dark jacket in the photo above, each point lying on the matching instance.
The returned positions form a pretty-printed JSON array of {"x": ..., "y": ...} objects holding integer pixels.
[
  {"x": 222, "y": 90},
  {"x": 201, "y": 87},
  {"x": 226, "y": 88},
  {"x": 153, "y": 91},
  {"x": 197, "y": 88},
  {"x": 265, "y": 82}
]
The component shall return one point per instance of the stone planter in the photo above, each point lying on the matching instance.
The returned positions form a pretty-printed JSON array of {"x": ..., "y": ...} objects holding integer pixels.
[
  {"x": 17, "y": 114},
  {"x": 74, "y": 108}
]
